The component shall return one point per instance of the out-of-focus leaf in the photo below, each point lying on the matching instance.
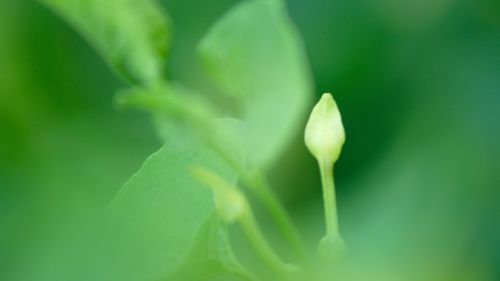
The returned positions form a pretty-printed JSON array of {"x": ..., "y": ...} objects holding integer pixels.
[
  {"x": 212, "y": 257},
  {"x": 160, "y": 209},
  {"x": 169, "y": 101},
  {"x": 133, "y": 36},
  {"x": 255, "y": 54},
  {"x": 172, "y": 103}
]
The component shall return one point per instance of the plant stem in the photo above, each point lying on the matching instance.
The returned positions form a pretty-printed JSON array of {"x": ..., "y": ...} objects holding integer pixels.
[
  {"x": 331, "y": 217},
  {"x": 331, "y": 247},
  {"x": 262, "y": 247},
  {"x": 266, "y": 195}
]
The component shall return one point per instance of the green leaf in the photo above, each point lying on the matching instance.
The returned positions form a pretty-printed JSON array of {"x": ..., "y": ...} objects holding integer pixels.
[
  {"x": 255, "y": 55},
  {"x": 160, "y": 209},
  {"x": 132, "y": 36},
  {"x": 211, "y": 257},
  {"x": 171, "y": 103}
]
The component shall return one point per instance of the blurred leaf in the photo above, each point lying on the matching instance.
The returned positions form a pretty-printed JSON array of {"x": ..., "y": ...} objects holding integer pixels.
[
  {"x": 169, "y": 100},
  {"x": 161, "y": 207},
  {"x": 171, "y": 104},
  {"x": 211, "y": 256},
  {"x": 133, "y": 36},
  {"x": 255, "y": 54}
]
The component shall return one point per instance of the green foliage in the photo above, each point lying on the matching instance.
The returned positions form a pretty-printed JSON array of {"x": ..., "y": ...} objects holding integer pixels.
[
  {"x": 170, "y": 102},
  {"x": 133, "y": 36},
  {"x": 255, "y": 55},
  {"x": 212, "y": 256},
  {"x": 162, "y": 207},
  {"x": 163, "y": 215},
  {"x": 418, "y": 177}
]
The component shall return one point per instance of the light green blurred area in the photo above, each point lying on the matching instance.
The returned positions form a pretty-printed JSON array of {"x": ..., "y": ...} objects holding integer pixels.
[{"x": 418, "y": 85}]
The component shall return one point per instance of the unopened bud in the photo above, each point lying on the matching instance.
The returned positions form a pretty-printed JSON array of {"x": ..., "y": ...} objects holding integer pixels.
[
  {"x": 230, "y": 202},
  {"x": 324, "y": 134}
]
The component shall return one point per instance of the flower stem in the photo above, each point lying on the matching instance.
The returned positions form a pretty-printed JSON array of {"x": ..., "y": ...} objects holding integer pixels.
[
  {"x": 332, "y": 246},
  {"x": 331, "y": 217},
  {"x": 262, "y": 247},
  {"x": 266, "y": 195}
]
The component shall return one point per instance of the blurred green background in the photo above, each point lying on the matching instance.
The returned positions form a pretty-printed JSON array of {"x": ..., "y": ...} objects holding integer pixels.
[{"x": 418, "y": 85}]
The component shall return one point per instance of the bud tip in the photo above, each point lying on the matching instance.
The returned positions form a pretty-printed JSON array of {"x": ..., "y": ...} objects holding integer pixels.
[{"x": 324, "y": 134}]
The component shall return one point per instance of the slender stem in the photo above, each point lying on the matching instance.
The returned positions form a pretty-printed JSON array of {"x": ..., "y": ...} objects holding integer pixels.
[
  {"x": 262, "y": 247},
  {"x": 266, "y": 195},
  {"x": 331, "y": 217}
]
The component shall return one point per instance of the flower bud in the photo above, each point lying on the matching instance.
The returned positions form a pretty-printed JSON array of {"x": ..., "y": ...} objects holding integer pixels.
[
  {"x": 230, "y": 202},
  {"x": 324, "y": 134}
]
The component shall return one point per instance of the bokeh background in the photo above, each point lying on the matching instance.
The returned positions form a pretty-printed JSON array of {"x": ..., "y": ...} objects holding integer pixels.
[{"x": 418, "y": 85}]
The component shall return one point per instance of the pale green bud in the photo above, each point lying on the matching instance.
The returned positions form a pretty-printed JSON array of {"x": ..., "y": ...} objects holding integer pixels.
[
  {"x": 230, "y": 202},
  {"x": 324, "y": 134}
]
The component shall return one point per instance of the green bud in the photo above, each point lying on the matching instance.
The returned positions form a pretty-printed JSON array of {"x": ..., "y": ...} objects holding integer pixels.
[
  {"x": 230, "y": 203},
  {"x": 324, "y": 134}
]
